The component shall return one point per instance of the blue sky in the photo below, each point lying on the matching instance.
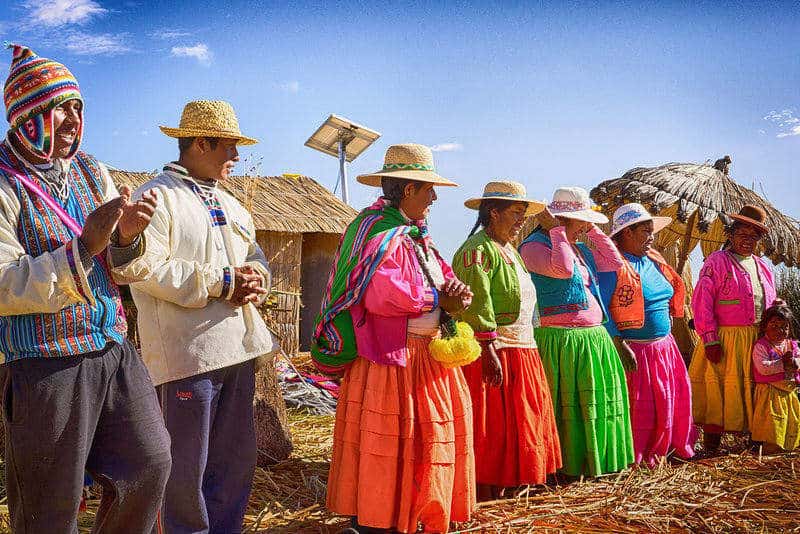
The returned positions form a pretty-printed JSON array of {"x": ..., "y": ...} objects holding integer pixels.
[{"x": 545, "y": 93}]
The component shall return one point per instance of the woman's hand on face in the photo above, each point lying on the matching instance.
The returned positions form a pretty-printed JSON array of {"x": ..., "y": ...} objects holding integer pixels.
[{"x": 574, "y": 227}]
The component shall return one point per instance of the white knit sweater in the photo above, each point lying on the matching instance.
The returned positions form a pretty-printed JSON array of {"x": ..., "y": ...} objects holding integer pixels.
[{"x": 184, "y": 326}]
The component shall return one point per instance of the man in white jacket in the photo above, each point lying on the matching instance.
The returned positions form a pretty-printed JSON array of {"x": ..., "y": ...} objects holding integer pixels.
[{"x": 204, "y": 274}]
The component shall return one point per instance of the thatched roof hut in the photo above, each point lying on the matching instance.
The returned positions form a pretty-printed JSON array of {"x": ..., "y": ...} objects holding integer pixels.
[
  {"x": 698, "y": 197},
  {"x": 298, "y": 223}
]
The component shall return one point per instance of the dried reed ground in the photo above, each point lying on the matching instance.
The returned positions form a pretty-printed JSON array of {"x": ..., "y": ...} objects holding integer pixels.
[{"x": 734, "y": 493}]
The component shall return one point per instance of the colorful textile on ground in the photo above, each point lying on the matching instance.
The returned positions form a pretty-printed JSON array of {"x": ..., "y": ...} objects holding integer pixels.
[
  {"x": 402, "y": 445},
  {"x": 776, "y": 416},
  {"x": 35, "y": 86},
  {"x": 316, "y": 394},
  {"x": 660, "y": 401},
  {"x": 79, "y": 328},
  {"x": 722, "y": 393},
  {"x": 590, "y": 396},
  {"x": 334, "y": 344},
  {"x": 516, "y": 439}
]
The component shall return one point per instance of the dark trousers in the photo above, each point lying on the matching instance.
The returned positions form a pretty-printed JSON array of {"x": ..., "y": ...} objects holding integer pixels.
[
  {"x": 210, "y": 419},
  {"x": 97, "y": 412}
]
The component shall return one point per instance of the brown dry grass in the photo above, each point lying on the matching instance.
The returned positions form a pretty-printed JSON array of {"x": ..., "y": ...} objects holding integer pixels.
[{"x": 734, "y": 493}]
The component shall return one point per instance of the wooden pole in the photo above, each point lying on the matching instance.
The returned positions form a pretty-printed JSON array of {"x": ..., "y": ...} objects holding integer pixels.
[{"x": 687, "y": 238}]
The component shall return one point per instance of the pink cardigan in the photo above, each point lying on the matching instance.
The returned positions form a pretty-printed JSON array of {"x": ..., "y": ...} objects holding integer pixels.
[
  {"x": 768, "y": 363},
  {"x": 396, "y": 292},
  {"x": 724, "y": 294}
]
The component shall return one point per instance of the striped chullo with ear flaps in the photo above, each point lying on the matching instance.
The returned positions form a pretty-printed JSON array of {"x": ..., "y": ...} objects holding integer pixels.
[{"x": 34, "y": 88}]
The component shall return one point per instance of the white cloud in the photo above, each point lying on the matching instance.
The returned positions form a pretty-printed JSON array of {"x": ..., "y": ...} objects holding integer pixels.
[
  {"x": 447, "y": 147},
  {"x": 795, "y": 130},
  {"x": 53, "y": 13},
  {"x": 291, "y": 87},
  {"x": 169, "y": 35},
  {"x": 200, "y": 52},
  {"x": 103, "y": 44},
  {"x": 786, "y": 122}
]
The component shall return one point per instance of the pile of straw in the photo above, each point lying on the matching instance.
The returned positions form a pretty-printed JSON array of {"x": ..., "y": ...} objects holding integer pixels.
[
  {"x": 737, "y": 492},
  {"x": 733, "y": 493}
]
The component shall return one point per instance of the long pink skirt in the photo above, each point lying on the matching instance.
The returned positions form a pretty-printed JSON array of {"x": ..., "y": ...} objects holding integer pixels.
[{"x": 661, "y": 403}]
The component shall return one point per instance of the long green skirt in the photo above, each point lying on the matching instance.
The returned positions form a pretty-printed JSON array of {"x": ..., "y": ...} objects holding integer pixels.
[{"x": 590, "y": 397}]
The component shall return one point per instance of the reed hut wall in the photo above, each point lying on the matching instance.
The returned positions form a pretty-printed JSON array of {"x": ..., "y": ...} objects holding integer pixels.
[
  {"x": 283, "y": 251},
  {"x": 319, "y": 250}
]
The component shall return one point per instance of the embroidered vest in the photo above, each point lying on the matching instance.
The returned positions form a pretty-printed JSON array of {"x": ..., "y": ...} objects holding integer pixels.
[
  {"x": 78, "y": 328},
  {"x": 627, "y": 302},
  {"x": 557, "y": 295}
]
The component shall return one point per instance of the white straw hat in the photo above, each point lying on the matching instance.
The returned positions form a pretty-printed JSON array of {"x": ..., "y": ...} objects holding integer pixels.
[
  {"x": 506, "y": 190},
  {"x": 574, "y": 203},
  {"x": 634, "y": 213},
  {"x": 409, "y": 161}
]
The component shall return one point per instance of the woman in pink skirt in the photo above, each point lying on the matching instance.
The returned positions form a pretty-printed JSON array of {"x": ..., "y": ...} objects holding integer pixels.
[{"x": 641, "y": 297}]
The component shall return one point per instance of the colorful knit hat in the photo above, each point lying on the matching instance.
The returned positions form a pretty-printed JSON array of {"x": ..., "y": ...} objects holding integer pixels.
[{"x": 35, "y": 87}]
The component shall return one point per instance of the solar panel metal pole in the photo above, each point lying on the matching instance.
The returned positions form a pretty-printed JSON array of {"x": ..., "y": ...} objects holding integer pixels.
[
  {"x": 343, "y": 168},
  {"x": 345, "y": 140}
]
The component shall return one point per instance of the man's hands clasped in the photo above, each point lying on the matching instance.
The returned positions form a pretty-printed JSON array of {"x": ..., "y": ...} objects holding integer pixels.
[{"x": 248, "y": 286}]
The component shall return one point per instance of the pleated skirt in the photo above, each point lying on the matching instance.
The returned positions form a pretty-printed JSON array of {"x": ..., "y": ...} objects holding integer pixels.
[
  {"x": 776, "y": 415},
  {"x": 590, "y": 398},
  {"x": 722, "y": 393},
  {"x": 516, "y": 439},
  {"x": 402, "y": 445},
  {"x": 660, "y": 398}
]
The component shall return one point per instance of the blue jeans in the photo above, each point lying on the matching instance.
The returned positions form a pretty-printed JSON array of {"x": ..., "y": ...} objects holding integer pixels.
[{"x": 210, "y": 419}]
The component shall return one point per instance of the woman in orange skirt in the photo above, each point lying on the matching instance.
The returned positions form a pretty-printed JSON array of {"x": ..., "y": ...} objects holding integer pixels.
[
  {"x": 516, "y": 439},
  {"x": 402, "y": 450}
]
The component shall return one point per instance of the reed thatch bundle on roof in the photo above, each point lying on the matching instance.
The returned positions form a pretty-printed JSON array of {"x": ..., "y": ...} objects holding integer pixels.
[{"x": 277, "y": 203}]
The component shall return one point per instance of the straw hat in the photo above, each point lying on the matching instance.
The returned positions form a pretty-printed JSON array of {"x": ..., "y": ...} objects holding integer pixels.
[
  {"x": 574, "y": 203},
  {"x": 506, "y": 190},
  {"x": 752, "y": 215},
  {"x": 634, "y": 213},
  {"x": 408, "y": 161},
  {"x": 209, "y": 118}
]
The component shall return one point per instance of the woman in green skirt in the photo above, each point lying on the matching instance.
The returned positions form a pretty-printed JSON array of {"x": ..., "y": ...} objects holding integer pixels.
[{"x": 583, "y": 367}]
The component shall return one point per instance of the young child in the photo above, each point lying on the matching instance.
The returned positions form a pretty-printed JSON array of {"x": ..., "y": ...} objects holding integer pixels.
[{"x": 776, "y": 358}]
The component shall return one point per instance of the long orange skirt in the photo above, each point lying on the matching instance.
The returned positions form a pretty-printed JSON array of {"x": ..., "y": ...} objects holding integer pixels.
[
  {"x": 516, "y": 439},
  {"x": 402, "y": 445}
]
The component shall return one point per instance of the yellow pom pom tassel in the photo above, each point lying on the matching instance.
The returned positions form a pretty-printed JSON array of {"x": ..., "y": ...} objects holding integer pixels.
[{"x": 461, "y": 349}]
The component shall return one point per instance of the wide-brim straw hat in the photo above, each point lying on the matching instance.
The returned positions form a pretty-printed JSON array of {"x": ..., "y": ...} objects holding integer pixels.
[
  {"x": 209, "y": 118},
  {"x": 506, "y": 190},
  {"x": 752, "y": 215},
  {"x": 634, "y": 213},
  {"x": 575, "y": 203},
  {"x": 408, "y": 161}
]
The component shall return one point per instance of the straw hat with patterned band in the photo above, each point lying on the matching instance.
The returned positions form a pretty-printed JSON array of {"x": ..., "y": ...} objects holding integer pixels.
[
  {"x": 634, "y": 213},
  {"x": 752, "y": 215},
  {"x": 506, "y": 190},
  {"x": 409, "y": 161},
  {"x": 574, "y": 203},
  {"x": 209, "y": 118}
]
